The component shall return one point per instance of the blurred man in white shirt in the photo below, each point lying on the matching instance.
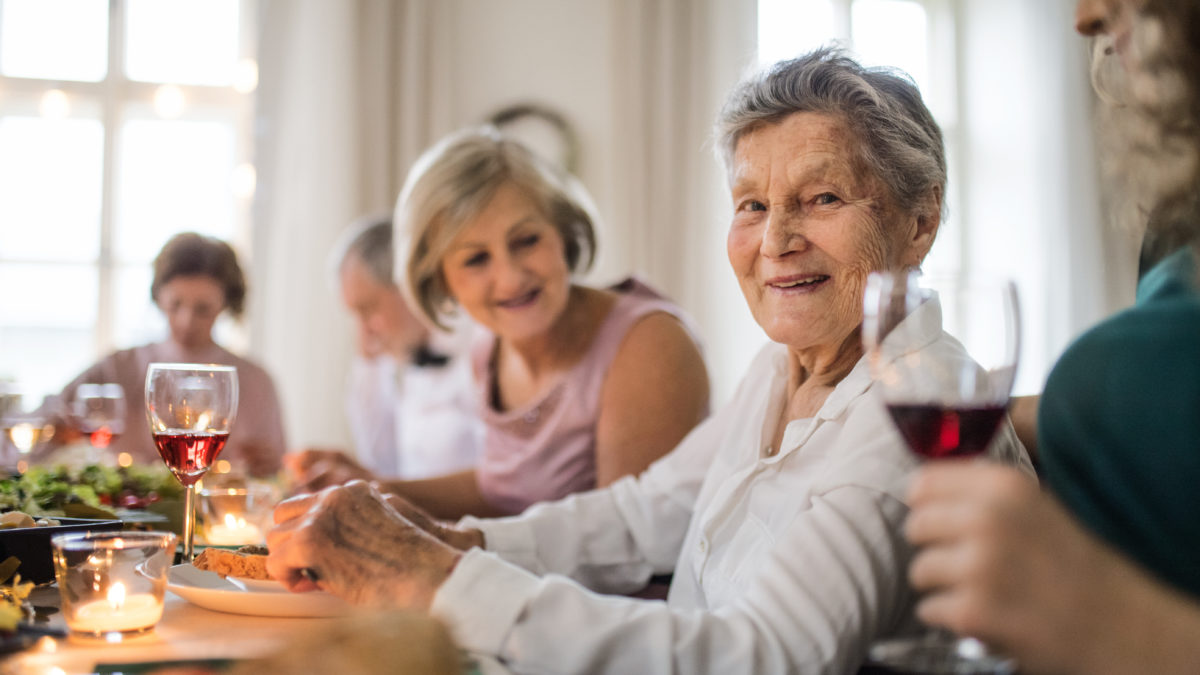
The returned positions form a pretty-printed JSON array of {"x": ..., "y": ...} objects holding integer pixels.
[{"x": 408, "y": 398}]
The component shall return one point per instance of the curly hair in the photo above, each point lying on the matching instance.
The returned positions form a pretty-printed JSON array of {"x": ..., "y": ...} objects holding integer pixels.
[{"x": 899, "y": 142}]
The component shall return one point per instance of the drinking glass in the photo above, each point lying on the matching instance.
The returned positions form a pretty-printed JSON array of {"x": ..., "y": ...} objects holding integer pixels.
[
  {"x": 112, "y": 583},
  {"x": 24, "y": 429},
  {"x": 99, "y": 411},
  {"x": 190, "y": 408},
  {"x": 945, "y": 405}
]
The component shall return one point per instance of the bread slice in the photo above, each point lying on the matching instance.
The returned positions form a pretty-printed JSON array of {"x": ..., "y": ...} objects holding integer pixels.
[{"x": 247, "y": 562}]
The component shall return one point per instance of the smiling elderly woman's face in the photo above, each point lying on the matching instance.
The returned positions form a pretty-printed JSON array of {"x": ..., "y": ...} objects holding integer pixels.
[{"x": 809, "y": 224}]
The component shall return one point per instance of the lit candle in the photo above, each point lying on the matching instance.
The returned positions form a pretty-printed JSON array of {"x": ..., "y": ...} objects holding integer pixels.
[
  {"x": 116, "y": 613},
  {"x": 233, "y": 532}
]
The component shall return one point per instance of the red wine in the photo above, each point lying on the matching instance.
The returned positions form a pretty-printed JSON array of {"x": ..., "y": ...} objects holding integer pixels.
[
  {"x": 189, "y": 453},
  {"x": 102, "y": 437},
  {"x": 938, "y": 432}
]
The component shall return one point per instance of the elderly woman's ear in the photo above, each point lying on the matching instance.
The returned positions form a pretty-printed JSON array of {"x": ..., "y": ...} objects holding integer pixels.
[{"x": 923, "y": 229}]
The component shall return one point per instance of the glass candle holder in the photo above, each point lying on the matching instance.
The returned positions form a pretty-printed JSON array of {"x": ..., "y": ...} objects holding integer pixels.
[
  {"x": 236, "y": 516},
  {"x": 112, "y": 583}
]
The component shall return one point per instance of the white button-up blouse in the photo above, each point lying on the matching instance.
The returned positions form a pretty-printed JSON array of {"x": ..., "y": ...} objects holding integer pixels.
[{"x": 786, "y": 563}]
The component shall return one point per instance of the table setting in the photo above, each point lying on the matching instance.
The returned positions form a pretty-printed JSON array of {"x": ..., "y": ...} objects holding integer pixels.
[
  {"x": 110, "y": 589},
  {"x": 128, "y": 590}
]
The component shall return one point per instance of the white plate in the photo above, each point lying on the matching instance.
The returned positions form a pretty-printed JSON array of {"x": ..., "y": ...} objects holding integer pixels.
[
  {"x": 258, "y": 585},
  {"x": 212, "y": 591}
]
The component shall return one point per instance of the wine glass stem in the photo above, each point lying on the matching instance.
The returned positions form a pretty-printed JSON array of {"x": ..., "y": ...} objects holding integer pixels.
[{"x": 189, "y": 521}]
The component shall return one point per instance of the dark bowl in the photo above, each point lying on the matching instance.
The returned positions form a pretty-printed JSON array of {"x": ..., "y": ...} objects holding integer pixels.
[{"x": 31, "y": 545}]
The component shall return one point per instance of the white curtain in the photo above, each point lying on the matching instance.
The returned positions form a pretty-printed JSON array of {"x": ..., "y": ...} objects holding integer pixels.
[
  {"x": 674, "y": 62},
  {"x": 345, "y": 105}
]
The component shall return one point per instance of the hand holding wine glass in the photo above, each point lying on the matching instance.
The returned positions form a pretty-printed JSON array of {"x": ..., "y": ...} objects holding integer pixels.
[
  {"x": 190, "y": 408},
  {"x": 945, "y": 406}
]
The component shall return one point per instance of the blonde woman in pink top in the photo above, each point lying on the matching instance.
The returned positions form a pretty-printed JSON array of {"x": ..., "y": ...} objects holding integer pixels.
[{"x": 577, "y": 386}]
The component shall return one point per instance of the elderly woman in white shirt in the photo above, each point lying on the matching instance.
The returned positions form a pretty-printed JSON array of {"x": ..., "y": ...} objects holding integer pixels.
[{"x": 781, "y": 516}]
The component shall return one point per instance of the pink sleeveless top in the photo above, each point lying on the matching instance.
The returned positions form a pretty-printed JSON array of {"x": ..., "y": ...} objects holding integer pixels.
[{"x": 546, "y": 449}]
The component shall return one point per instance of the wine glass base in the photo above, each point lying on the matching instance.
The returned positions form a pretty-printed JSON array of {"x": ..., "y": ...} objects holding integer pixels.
[{"x": 936, "y": 654}]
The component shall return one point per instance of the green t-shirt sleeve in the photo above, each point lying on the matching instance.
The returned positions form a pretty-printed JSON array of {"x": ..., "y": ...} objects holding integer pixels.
[{"x": 1119, "y": 434}]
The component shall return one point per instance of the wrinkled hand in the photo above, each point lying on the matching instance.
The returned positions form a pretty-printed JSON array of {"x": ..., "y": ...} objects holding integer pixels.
[
  {"x": 1003, "y": 562},
  {"x": 315, "y": 469},
  {"x": 359, "y": 547}
]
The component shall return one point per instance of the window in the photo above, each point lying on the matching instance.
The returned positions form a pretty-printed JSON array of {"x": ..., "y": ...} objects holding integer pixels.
[
  {"x": 122, "y": 122},
  {"x": 916, "y": 36}
]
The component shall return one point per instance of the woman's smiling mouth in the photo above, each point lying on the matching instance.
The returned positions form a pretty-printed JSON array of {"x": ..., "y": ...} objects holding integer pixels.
[
  {"x": 520, "y": 301},
  {"x": 798, "y": 283}
]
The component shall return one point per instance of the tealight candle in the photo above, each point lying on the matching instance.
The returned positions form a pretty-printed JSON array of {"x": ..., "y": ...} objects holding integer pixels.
[
  {"x": 233, "y": 532},
  {"x": 112, "y": 583},
  {"x": 116, "y": 612},
  {"x": 236, "y": 516}
]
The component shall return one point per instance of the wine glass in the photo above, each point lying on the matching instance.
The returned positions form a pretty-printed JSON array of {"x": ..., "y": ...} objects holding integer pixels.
[
  {"x": 190, "y": 408},
  {"x": 947, "y": 404},
  {"x": 24, "y": 429},
  {"x": 99, "y": 411}
]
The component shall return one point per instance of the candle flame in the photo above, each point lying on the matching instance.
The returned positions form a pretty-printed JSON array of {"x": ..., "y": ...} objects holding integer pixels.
[
  {"x": 116, "y": 595},
  {"x": 233, "y": 522},
  {"x": 23, "y": 436}
]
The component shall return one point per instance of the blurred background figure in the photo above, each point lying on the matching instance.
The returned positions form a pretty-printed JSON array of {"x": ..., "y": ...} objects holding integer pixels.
[
  {"x": 409, "y": 402},
  {"x": 195, "y": 279},
  {"x": 577, "y": 386}
]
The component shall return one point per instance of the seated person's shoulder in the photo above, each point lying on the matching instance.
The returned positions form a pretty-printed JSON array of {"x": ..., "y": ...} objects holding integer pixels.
[{"x": 1130, "y": 383}]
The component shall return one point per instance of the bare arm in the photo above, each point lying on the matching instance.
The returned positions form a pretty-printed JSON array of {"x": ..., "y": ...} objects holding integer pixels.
[
  {"x": 449, "y": 497},
  {"x": 1023, "y": 412},
  {"x": 656, "y": 390}
]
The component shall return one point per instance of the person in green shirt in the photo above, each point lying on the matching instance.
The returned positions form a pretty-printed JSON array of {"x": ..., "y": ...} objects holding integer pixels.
[{"x": 1101, "y": 573}]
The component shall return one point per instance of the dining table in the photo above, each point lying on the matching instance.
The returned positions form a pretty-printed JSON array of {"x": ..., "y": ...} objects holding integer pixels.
[{"x": 187, "y": 633}]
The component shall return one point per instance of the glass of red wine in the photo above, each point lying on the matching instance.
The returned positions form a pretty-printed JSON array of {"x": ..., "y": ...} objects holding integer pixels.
[
  {"x": 190, "y": 408},
  {"x": 946, "y": 406},
  {"x": 99, "y": 410}
]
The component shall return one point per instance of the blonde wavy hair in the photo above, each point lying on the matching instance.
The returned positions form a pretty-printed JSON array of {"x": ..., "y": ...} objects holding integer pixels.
[{"x": 451, "y": 183}]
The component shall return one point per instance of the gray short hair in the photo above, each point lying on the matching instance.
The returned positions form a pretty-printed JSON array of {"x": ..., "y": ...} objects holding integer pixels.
[
  {"x": 899, "y": 141},
  {"x": 451, "y": 184},
  {"x": 368, "y": 240}
]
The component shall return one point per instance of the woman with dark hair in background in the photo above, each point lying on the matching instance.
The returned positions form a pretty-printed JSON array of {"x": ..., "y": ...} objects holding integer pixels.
[{"x": 195, "y": 279}]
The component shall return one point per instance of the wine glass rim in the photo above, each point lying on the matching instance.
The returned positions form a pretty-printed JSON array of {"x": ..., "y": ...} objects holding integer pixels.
[{"x": 191, "y": 366}]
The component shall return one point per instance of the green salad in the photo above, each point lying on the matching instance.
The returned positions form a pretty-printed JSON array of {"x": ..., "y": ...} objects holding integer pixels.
[{"x": 51, "y": 491}]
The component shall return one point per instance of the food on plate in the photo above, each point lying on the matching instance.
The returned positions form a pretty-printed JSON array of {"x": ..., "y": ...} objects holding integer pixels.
[
  {"x": 14, "y": 598},
  {"x": 14, "y": 519},
  {"x": 247, "y": 562}
]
